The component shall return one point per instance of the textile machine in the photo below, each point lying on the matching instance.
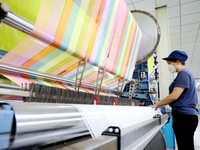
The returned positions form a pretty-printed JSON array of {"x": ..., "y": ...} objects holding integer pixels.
[{"x": 69, "y": 73}]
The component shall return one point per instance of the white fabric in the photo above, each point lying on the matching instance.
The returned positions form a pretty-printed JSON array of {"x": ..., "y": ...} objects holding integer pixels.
[{"x": 98, "y": 118}]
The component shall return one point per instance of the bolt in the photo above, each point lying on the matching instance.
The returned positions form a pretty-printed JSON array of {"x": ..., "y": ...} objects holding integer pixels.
[
  {"x": 116, "y": 130},
  {"x": 110, "y": 130}
]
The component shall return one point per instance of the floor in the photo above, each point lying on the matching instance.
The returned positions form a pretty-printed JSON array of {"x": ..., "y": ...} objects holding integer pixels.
[{"x": 196, "y": 148}]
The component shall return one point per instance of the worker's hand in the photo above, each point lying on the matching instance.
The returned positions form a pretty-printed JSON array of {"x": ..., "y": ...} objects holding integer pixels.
[{"x": 155, "y": 106}]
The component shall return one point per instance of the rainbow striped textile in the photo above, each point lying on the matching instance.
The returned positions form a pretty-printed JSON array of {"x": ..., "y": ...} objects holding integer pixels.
[{"x": 68, "y": 31}]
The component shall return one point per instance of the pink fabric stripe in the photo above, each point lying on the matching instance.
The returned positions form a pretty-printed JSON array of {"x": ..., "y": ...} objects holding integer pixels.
[
  {"x": 91, "y": 26},
  {"x": 54, "y": 18},
  {"x": 136, "y": 53},
  {"x": 129, "y": 48},
  {"x": 69, "y": 87},
  {"x": 70, "y": 73},
  {"x": 28, "y": 54},
  {"x": 42, "y": 35},
  {"x": 47, "y": 36},
  {"x": 117, "y": 41},
  {"x": 16, "y": 78},
  {"x": 99, "y": 34},
  {"x": 113, "y": 31},
  {"x": 90, "y": 79},
  {"x": 131, "y": 55},
  {"x": 86, "y": 76},
  {"x": 140, "y": 39}
]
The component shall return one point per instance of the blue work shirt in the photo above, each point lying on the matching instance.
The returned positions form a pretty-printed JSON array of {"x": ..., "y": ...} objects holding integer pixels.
[{"x": 187, "y": 101}]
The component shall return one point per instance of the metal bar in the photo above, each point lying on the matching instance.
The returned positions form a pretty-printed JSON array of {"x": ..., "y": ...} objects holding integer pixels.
[
  {"x": 138, "y": 136},
  {"x": 82, "y": 72},
  {"x": 5, "y": 68},
  {"x": 40, "y": 124},
  {"x": 38, "y": 139},
  {"x": 14, "y": 20},
  {"x": 11, "y": 69},
  {"x": 32, "y": 117},
  {"x": 144, "y": 141},
  {"x": 9, "y": 86},
  {"x": 99, "y": 80},
  {"x": 12, "y": 92},
  {"x": 18, "y": 23},
  {"x": 120, "y": 87},
  {"x": 131, "y": 89},
  {"x": 79, "y": 74},
  {"x": 99, "y": 143}
]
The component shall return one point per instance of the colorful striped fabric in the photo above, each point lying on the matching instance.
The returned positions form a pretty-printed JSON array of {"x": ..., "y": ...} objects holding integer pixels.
[
  {"x": 68, "y": 31},
  {"x": 90, "y": 76}
]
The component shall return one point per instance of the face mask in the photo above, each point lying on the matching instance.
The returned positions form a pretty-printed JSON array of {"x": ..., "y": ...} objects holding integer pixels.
[{"x": 171, "y": 68}]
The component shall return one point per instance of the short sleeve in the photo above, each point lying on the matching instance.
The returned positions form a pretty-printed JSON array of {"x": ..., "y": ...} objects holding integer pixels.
[{"x": 182, "y": 80}]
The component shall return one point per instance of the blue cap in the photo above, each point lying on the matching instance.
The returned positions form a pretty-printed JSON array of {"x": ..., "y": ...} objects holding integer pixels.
[{"x": 179, "y": 55}]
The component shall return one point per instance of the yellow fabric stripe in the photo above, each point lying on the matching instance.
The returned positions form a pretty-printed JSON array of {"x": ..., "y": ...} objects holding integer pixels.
[
  {"x": 19, "y": 7},
  {"x": 77, "y": 29}
]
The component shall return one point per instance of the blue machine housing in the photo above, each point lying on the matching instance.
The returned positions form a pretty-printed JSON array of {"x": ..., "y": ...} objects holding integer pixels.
[
  {"x": 6, "y": 122},
  {"x": 143, "y": 89}
]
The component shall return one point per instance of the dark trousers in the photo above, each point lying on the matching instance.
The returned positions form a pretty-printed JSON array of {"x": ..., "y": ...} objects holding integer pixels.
[{"x": 184, "y": 127}]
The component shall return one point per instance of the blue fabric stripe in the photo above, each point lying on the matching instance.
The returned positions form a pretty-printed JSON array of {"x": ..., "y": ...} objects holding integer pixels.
[
  {"x": 70, "y": 26},
  {"x": 46, "y": 59},
  {"x": 66, "y": 40},
  {"x": 121, "y": 49},
  {"x": 135, "y": 45},
  {"x": 104, "y": 33}
]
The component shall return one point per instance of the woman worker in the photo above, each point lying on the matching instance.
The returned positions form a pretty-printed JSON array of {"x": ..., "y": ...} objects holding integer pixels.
[{"x": 183, "y": 100}]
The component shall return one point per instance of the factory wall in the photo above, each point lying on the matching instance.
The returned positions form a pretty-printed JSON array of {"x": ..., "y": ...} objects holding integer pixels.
[{"x": 163, "y": 50}]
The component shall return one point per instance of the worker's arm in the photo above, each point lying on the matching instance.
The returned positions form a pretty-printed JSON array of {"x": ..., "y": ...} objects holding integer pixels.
[{"x": 170, "y": 98}]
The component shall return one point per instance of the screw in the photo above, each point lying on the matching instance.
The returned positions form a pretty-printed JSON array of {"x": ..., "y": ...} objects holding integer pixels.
[
  {"x": 116, "y": 130},
  {"x": 110, "y": 130}
]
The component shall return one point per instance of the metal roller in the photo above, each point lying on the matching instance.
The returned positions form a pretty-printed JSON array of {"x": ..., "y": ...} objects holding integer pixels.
[
  {"x": 33, "y": 125},
  {"x": 150, "y": 34},
  {"x": 41, "y": 124},
  {"x": 39, "y": 117}
]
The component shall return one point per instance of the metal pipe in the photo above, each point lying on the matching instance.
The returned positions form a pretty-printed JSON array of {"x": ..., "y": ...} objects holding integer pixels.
[
  {"x": 18, "y": 23},
  {"x": 150, "y": 34},
  {"x": 100, "y": 143},
  {"x": 11, "y": 69},
  {"x": 39, "y": 124},
  {"x": 9, "y": 86},
  {"x": 13, "y": 92},
  {"x": 37, "y": 139},
  {"x": 14, "y": 20},
  {"x": 31, "y": 117}
]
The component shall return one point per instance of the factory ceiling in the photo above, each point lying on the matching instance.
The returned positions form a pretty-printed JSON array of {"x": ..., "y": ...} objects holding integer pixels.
[{"x": 184, "y": 26}]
